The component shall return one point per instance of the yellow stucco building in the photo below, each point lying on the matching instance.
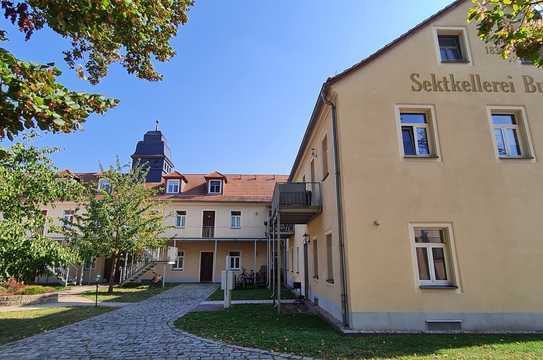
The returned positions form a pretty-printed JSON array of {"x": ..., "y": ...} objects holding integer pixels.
[
  {"x": 415, "y": 196},
  {"x": 427, "y": 158}
]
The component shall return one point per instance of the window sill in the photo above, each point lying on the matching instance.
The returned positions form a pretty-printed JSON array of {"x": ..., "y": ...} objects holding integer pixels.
[
  {"x": 516, "y": 158},
  {"x": 177, "y": 269},
  {"x": 331, "y": 282},
  {"x": 420, "y": 157},
  {"x": 445, "y": 287},
  {"x": 462, "y": 61}
]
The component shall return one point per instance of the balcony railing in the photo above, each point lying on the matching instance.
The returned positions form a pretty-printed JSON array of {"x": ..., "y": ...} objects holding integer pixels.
[
  {"x": 208, "y": 232},
  {"x": 301, "y": 198},
  {"x": 287, "y": 229}
]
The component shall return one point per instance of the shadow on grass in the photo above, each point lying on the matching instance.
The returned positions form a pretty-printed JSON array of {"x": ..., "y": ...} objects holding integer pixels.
[
  {"x": 307, "y": 334},
  {"x": 15, "y": 325},
  {"x": 251, "y": 294},
  {"x": 127, "y": 294}
]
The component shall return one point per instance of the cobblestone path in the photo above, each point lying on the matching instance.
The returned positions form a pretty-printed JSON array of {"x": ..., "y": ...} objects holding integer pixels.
[{"x": 139, "y": 331}]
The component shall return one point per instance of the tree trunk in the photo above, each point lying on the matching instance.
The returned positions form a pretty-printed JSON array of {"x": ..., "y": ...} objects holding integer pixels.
[
  {"x": 81, "y": 273},
  {"x": 112, "y": 273}
]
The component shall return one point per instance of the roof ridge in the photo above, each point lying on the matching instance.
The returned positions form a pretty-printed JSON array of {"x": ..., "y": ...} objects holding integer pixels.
[
  {"x": 394, "y": 42},
  {"x": 332, "y": 79}
]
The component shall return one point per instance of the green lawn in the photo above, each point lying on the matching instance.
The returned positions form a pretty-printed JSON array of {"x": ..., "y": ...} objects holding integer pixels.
[
  {"x": 251, "y": 294},
  {"x": 306, "y": 334},
  {"x": 128, "y": 294},
  {"x": 15, "y": 325}
]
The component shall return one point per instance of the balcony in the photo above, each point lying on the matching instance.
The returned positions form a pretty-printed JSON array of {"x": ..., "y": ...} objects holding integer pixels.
[
  {"x": 297, "y": 203},
  {"x": 208, "y": 232}
]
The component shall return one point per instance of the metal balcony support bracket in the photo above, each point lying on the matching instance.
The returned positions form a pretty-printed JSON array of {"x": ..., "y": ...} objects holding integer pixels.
[
  {"x": 297, "y": 202},
  {"x": 272, "y": 274},
  {"x": 278, "y": 228}
]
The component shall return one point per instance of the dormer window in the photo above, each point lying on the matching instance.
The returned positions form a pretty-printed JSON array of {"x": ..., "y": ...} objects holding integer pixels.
[
  {"x": 172, "y": 186},
  {"x": 215, "y": 186},
  {"x": 104, "y": 185}
]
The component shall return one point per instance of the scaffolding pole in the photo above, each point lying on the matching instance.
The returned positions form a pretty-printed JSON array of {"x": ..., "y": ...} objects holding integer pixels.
[
  {"x": 268, "y": 254},
  {"x": 278, "y": 264},
  {"x": 273, "y": 277}
]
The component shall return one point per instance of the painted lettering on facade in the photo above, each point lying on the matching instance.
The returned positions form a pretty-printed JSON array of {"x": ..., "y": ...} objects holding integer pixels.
[{"x": 474, "y": 83}]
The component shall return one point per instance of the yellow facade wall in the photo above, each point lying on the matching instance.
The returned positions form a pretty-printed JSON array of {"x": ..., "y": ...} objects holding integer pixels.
[{"x": 492, "y": 205}]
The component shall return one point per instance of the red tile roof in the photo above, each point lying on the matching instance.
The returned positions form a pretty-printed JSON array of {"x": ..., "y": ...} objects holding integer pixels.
[
  {"x": 175, "y": 175},
  {"x": 216, "y": 175},
  {"x": 237, "y": 188}
]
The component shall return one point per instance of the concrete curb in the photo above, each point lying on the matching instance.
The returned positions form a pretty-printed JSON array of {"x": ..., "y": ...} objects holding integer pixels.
[
  {"x": 220, "y": 343},
  {"x": 246, "y": 302}
]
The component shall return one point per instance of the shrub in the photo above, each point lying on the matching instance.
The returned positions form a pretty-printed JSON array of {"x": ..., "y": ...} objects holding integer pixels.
[
  {"x": 35, "y": 290},
  {"x": 12, "y": 285}
]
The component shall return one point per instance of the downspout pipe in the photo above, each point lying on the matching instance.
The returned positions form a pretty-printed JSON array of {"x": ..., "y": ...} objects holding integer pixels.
[{"x": 339, "y": 204}]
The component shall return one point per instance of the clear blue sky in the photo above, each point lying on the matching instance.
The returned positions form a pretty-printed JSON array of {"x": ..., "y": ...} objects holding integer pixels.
[{"x": 239, "y": 93}]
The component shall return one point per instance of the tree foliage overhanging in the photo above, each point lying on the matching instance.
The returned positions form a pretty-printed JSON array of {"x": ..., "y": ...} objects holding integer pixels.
[
  {"x": 101, "y": 32},
  {"x": 515, "y": 27},
  {"x": 29, "y": 182}
]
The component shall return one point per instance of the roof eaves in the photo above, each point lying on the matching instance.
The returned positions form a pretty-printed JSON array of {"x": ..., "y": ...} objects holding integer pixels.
[
  {"x": 308, "y": 131},
  {"x": 334, "y": 79},
  {"x": 395, "y": 42}
]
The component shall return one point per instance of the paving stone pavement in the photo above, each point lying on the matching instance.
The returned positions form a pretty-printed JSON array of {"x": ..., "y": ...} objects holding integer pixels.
[{"x": 142, "y": 330}]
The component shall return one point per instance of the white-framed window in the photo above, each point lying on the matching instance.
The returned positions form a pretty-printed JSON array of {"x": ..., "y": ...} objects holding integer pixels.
[
  {"x": 68, "y": 215},
  {"x": 324, "y": 146},
  {"x": 179, "y": 261},
  {"x": 506, "y": 132},
  {"x": 235, "y": 260},
  {"x": 104, "y": 185},
  {"x": 172, "y": 186},
  {"x": 291, "y": 259},
  {"x": 180, "y": 219},
  {"x": 417, "y": 131},
  {"x": 510, "y": 133},
  {"x": 235, "y": 219},
  {"x": 452, "y": 45},
  {"x": 433, "y": 254},
  {"x": 329, "y": 259},
  {"x": 215, "y": 186},
  {"x": 297, "y": 259},
  {"x": 315, "y": 259}
]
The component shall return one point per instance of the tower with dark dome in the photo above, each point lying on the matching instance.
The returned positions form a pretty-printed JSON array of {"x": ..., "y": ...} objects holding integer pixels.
[{"x": 155, "y": 152}]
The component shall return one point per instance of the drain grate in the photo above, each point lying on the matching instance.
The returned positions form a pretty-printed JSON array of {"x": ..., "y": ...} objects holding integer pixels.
[{"x": 444, "y": 325}]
